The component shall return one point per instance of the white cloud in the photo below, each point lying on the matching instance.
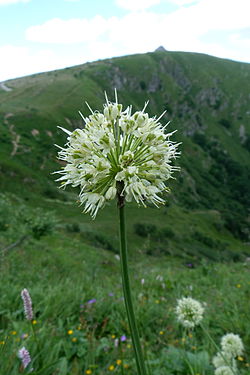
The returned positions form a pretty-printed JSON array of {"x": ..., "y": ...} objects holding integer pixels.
[
  {"x": 7, "y": 2},
  {"x": 239, "y": 40},
  {"x": 184, "y": 2},
  {"x": 19, "y": 61},
  {"x": 214, "y": 15},
  {"x": 195, "y": 28},
  {"x": 70, "y": 31},
  {"x": 135, "y": 5},
  {"x": 180, "y": 29}
]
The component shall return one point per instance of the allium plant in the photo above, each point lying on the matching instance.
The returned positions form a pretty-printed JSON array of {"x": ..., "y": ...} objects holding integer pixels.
[
  {"x": 123, "y": 155},
  {"x": 189, "y": 312},
  {"x": 224, "y": 361},
  {"x": 232, "y": 345}
]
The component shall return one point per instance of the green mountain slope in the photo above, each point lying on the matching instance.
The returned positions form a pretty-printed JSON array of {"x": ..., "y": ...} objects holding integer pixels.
[{"x": 207, "y": 100}]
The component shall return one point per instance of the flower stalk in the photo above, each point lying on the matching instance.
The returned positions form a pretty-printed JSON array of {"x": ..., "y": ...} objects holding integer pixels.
[
  {"x": 226, "y": 362},
  {"x": 123, "y": 155},
  {"x": 126, "y": 284}
]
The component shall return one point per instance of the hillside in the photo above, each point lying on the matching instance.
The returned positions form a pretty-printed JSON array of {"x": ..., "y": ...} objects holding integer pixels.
[{"x": 207, "y": 100}]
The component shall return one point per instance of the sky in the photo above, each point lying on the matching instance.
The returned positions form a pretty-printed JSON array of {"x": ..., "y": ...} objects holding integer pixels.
[{"x": 43, "y": 35}]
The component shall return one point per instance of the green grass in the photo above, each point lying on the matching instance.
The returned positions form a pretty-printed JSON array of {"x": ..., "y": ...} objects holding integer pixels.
[
  {"x": 62, "y": 274},
  {"x": 205, "y": 222}
]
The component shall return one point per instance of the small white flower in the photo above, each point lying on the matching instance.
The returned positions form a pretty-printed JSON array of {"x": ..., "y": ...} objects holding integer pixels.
[
  {"x": 118, "y": 148},
  {"x": 189, "y": 312},
  {"x": 224, "y": 370},
  {"x": 232, "y": 345}
]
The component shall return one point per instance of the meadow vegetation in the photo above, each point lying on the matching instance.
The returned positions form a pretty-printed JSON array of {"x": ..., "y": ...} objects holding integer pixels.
[
  {"x": 196, "y": 245},
  {"x": 79, "y": 315}
]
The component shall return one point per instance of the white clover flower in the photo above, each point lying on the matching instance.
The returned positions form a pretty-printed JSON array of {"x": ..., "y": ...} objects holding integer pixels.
[
  {"x": 118, "y": 150},
  {"x": 189, "y": 312},
  {"x": 224, "y": 370},
  {"x": 232, "y": 345}
]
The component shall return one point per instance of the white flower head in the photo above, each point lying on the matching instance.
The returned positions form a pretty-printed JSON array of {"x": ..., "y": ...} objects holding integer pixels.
[
  {"x": 118, "y": 150},
  {"x": 224, "y": 370},
  {"x": 189, "y": 312},
  {"x": 232, "y": 345},
  {"x": 223, "y": 359}
]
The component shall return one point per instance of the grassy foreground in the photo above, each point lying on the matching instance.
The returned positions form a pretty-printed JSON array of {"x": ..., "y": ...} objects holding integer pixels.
[{"x": 80, "y": 320}]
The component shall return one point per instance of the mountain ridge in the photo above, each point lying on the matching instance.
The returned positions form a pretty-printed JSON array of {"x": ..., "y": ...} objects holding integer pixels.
[{"x": 207, "y": 100}]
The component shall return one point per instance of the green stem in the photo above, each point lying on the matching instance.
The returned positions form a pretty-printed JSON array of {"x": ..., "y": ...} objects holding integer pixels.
[
  {"x": 126, "y": 286},
  {"x": 37, "y": 344}
]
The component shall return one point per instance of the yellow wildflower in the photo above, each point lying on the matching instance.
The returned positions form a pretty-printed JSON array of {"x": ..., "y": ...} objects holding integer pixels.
[
  {"x": 119, "y": 362},
  {"x": 88, "y": 372},
  {"x": 70, "y": 332},
  {"x": 111, "y": 368}
]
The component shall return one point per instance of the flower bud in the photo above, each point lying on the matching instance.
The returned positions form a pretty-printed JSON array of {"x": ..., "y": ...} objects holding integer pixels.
[{"x": 111, "y": 193}]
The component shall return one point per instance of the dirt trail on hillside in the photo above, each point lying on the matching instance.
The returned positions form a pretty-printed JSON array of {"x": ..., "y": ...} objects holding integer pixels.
[
  {"x": 15, "y": 137},
  {"x": 4, "y": 87}
]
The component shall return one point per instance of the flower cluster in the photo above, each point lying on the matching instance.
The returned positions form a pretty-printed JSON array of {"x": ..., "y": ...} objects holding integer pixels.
[
  {"x": 189, "y": 312},
  {"x": 27, "y": 304},
  {"x": 24, "y": 355},
  {"x": 224, "y": 361},
  {"x": 118, "y": 150},
  {"x": 232, "y": 344}
]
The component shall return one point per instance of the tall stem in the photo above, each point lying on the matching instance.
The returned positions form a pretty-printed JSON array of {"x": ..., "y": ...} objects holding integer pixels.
[{"x": 126, "y": 285}]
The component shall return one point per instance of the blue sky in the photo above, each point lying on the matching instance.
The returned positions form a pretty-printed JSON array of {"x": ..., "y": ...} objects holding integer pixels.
[{"x": 42, "y": 35}]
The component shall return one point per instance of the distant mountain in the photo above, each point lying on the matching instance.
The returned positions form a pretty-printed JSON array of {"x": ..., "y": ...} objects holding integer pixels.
[{"x": 207, "y": 100}]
